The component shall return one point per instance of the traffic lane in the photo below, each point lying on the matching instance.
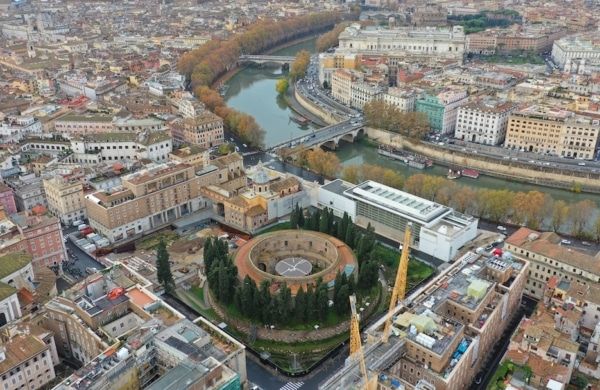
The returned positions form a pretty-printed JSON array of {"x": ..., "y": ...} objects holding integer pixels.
[
  {"x": 526, "y": 308},
  {"x": 535, "y": 160},
  {"x": 268, "y": 379}
]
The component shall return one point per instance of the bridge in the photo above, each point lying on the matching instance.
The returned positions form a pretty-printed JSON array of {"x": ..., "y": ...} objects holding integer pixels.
[
  {"x": 263, "y": 59},
  {"x": 328, "y": 137}
]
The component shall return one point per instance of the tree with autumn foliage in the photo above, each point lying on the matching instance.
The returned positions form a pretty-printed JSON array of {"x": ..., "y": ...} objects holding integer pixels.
[
  {"x": 382, "y": 115},
  {"x": 322, "y": 162},
  {"x": 300, "y": 65},
  {"x": 331, "y": 38}
]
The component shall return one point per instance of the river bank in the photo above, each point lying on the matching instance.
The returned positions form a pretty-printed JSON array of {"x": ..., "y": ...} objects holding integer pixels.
[
  {"x": 506, "y": 170},
  {"x": 233, "y": 71}
]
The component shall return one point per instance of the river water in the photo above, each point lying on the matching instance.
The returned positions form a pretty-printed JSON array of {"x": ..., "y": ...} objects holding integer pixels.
[{"x": 252, "y": 91}]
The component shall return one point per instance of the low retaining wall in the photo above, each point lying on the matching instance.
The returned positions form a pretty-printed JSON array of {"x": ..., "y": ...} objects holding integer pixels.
[
  {"x": 328, "y": 117},
  {"x": 504, "y": 169}
]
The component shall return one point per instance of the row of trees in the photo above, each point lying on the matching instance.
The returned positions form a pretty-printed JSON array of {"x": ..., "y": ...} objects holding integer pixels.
[
  {"x": 362, "y": 242},
  {"x": 300, "y": 65},
  {"x": 202, "y": 66},
  {"x": 382, "y": 115},
  {"x": 163, "y": 267},
  {"x": 533, "y": 209},
  {"x": 330, "y": 39},
  {"x": 239, "y": 123}
]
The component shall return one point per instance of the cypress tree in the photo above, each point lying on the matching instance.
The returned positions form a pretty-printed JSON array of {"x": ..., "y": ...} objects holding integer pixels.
[
  {"x": 301, "y": 221},
  {"x": 163, "y": 267},
  {"x": 324, "y": 222},
  {"x": 300, "y": 305}
]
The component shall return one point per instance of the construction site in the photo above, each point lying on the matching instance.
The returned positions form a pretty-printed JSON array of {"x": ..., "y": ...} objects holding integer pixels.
[{"x": 435, "y": 338}]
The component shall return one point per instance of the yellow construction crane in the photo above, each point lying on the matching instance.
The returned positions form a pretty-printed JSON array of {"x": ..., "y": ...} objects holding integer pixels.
[
  {"x": 356, "y": 347},
  {"x": 400, "y": 285}
]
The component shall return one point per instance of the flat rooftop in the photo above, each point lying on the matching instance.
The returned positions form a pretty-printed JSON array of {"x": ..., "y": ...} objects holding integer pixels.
[{"x": 396, "y": 201}]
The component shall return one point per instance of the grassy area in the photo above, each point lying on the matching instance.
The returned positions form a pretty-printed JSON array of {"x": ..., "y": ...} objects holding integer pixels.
[
  {"x": 191, "y": 299},
  {"x": 280, "y": 226},
  {"x": 150, "y": 242},
  {"x": 298, "y": 356},
  {"x": 516, "y": 58},
  {"x": 417, "y": 270},
  {"x": 508, "y": 368},
  {"x": 199, "y": 292}
]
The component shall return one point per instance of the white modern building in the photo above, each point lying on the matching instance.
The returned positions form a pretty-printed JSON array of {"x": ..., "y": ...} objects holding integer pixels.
[
  {"x": 577, "y": 50},
  {"x": 483, "y": 122},
  {"x": 437, "y": 230},
  {"x": 428, "y": 41},
  {"x": 402, "y": 98}
]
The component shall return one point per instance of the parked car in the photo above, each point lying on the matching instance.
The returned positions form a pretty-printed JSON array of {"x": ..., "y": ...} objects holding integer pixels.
[
  {"x": 565, "y": 242},
  {"x": 585, "y": 243},
  {"x": 501, "y": 228}
]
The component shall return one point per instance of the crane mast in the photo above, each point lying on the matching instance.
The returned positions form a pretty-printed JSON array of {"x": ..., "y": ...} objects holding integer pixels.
[{"x": 400, "y": 285}]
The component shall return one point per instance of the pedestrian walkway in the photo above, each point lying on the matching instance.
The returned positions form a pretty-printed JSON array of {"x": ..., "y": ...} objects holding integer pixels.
[{"x": 292, "y": 386}]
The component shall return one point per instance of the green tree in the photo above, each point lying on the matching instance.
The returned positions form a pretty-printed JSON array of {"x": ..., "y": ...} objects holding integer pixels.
[
  {"x": 294, "y": 219},
  {"x": 300, "y": 213},
  {"x": 322, "y": 302},
  {"x": 324, "y": 222},
  {"x": 325, "y": 85},
  {"x": 311, "y": 303},
  {"x": 282, "y": 86},
  {"x": 285, "y": 303},
  {"x": 350, "y": 235},
  {"x": 300, "y": 305},
  {"x": 341, "y": 300},
  {"x": 163, "y": 267}
]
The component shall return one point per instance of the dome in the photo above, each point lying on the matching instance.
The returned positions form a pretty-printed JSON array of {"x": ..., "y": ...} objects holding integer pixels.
[{"x": 260, "y": 177}]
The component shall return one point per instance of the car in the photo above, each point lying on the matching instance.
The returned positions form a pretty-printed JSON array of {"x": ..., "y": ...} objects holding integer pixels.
[
  {"x": 565, "y": 242},
  {"x": 489, "y": 248},
  {"x": 501, "y": 228},
  {"x": 478, "y": 379},
  {"x": 581, "y": 164},
  {"x": 244, "y": 145},
  {"x": 586, "y": 243}
]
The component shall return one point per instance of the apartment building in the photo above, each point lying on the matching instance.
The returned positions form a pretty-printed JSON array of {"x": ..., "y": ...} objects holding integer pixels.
[
  {"x": 40, "y": 236},
  {"x": 65, "y": 198},
  {"x": 529, "y": 38},
  {"x": 483, "y": 121},
  {"x": 139, "y": 125},
  {"x": 341, "y": 85},
  {"x": 193, "y": 155},
  {"x": 549, "y": 258},
  {"x": 543, "y": 345},
  {"x": 427, "y": 41},
  {"x": 402, "y": 98},
  {"x": 442, "y": 108},
  {"x": 441, "y": 340},
  {"x": 27, "y": 358},
  {"x": 81, "y": 124},
  {"x": 99, "y": 147},
  {"x": 147, "y": 200},
  {"x": 7, "y": 199},
  {"x": 204, "y": 130},
  {"x": 352, "y": 88},
  {"x": 558, "y": 132},
  {"x": 329, "y": 62},
  {"x": 28, "y": 191}
]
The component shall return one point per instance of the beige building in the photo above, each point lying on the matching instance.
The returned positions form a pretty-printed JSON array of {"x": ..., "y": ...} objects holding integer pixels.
[
  {"x": 147, "y": 200},
  {"x": 65, "y": 199},
  {"x": 27, "y": 358},
  {"x": 81, "y": 124},
  {"x": 553, "y": 131},
  {"x": 329, "y": 62},
  {"x": 549, "y": 258},
  {"x": 204, "y": 130},
  {"x": 193, "y": 155}
]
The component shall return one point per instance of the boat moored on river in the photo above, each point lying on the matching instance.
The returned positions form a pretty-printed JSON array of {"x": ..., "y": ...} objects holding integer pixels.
[{"x": 411, "y": 159}]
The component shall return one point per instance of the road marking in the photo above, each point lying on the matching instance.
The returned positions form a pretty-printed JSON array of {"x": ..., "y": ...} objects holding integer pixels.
[{"x": 292, "y": 386}]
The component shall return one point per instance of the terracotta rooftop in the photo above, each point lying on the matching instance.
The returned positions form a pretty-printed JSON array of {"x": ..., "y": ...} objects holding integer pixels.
[{"x": 547, "y": 244}]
